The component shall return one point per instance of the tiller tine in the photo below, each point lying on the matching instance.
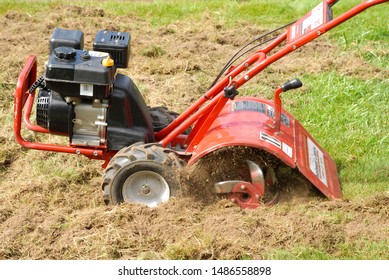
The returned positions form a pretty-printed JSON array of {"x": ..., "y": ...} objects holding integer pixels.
[
  {"x": 257, "y": 179},
  {"x": 246, "y": 194}
]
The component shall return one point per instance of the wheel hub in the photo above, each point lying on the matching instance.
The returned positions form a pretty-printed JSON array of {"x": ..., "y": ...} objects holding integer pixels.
[
  {"x": 146, "y": 190},
  {"x": 146, "y": 187},
  {"x": 249, "y": 194}
]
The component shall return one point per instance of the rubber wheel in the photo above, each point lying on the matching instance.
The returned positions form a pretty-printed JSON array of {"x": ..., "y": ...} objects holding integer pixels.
[
  {"x": 161, "y": 117},
  {"x": 141, "y": 173}
]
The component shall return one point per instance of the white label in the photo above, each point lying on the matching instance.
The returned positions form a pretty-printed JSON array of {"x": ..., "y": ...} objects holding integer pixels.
[
  {"x": 270, "y": 139},
  {"x": 316, "y": 162},
  {"x": 86, "y": 89},
  {"x": 314, "y": 20},
  {"x": 97, "y": 54},
  {"x": 293, "y": 32},
  {"x": 287, "y": 150},
  {"x": 317, "y": 16}
]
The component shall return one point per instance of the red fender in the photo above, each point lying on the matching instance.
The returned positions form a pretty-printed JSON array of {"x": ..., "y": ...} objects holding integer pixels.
[{"x": 249, "y": 122}]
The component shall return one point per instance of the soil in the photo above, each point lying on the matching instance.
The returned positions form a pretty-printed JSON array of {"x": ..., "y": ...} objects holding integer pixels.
[{"x": 51, "y": 205}]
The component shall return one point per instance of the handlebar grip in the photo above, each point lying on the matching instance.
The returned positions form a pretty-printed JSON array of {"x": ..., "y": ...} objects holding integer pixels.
[{"x": 292, "y": 84}]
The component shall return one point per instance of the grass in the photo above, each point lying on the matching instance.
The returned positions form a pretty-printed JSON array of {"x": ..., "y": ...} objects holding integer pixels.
[
  {"x": 365, "y": 31},
  {"x": 357, "y": 250},
  {"x": 349, "y": 120},
  {"x": 346, "y": 114}
]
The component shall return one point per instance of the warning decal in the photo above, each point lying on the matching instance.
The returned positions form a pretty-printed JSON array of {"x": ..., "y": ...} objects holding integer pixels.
[
  {"x": 249, "y": 106},
  {"x": 315, "y": 20},
  {"x": 255, "y": 106},
  {"x": 270, "y": 139},
  {"x": 316, "y": 161},
  {"x": 287, "y": 149}
]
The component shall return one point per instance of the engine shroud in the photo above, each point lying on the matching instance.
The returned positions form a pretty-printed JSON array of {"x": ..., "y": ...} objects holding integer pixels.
[
  {"x": 79, "y": 73},
  {"x": 84, "y": 99}
]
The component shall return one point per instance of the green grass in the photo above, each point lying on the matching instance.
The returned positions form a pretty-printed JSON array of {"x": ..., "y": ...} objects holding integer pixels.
[
  {"x": 365, "y": 33},
  {"x": 161, "y": 12},
  {"x": 355, "y": 250},
  {"x": 348, "y": 116},
  {"x": 26, "y": 6}
]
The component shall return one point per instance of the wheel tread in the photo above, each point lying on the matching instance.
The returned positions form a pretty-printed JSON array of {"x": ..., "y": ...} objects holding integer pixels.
[{"x": 136, "y": 153}]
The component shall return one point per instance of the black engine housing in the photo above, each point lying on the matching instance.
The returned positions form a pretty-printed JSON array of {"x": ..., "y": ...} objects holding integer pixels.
[
  {"x": 83, "y": 97},
  {"x": 53, "y": 113},
  {"x": 129, "y": 120}
]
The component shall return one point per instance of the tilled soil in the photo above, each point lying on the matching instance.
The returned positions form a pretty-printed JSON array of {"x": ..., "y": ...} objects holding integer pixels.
[{"x": 51, "y": 204}]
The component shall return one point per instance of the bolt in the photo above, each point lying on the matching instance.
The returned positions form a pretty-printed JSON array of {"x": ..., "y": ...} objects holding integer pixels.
[
  {"x": 95, "y": 153},
  {"x": 78, "y": 152},
  {"x": 242, "y": 187},
  {"x": 257, "y": 196},
  {"x": 232, "y": 199},
  {"x": 319, "y": 32},
  {"x": 246, "y": 65},
  {"x": 246, "y": 77},
  {"x": 146, "y": 190},
  {"x": 294, "y": 47}
]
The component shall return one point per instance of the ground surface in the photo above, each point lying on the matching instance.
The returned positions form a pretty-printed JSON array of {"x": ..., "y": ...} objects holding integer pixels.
[{"x": 51, "y": 205}]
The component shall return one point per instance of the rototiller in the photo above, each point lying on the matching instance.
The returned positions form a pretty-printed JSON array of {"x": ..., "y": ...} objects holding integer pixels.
[{"x": 105, "y": 117}]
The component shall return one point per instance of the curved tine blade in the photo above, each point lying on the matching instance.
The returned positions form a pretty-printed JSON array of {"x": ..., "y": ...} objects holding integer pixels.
[
  {"x": 225, "y": 186},
  {"x": 271, "y": 178},
  {"x": 257, "y": 178}
]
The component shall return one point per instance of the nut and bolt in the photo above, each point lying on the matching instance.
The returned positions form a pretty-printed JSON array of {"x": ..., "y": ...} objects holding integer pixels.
[{"x": 146, "y": 190}]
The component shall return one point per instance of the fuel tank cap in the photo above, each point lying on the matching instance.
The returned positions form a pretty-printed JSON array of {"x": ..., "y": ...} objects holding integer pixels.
[{"x": 65, "y": 53}]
